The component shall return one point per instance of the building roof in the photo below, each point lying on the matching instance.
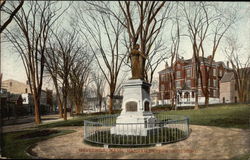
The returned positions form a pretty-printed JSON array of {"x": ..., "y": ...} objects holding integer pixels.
[
  {"x": 227, "y": 77},
  {"x": 189, "y": 61}
]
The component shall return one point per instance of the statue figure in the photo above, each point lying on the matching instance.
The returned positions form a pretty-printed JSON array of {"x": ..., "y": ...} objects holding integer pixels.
[{"x": 136, "y": 57}]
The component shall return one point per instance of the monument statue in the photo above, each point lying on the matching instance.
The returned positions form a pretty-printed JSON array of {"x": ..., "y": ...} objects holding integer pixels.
[
  {"x": 136, "y": 105},
  {"x": 136, "y": 58}
]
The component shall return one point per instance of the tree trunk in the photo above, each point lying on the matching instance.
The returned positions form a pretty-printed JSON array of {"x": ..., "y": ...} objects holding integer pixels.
[
  {"x": 60, "y": 109},
  {"x": 206, "y": 100},
  {"x": 71, "y": 108},
  {"x": 196, "y": 97},
  {"x": 197, "y": 66},
  {"x": 65, "y": 112},
  {"x": 100, "y": 104},
  {"x": 111, "y": 103},
  {"x": 37, "y": 112},
  {"x": 78, "y": 109},
  {"x": 65, "y": 108},
  {"x": 196, "y": 102},
  {"x": 241, "y": 96}
]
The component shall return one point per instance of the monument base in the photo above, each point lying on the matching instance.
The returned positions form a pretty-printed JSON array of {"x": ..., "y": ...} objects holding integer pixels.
[
  {"x": 135, "y": 124},
  {"x": 136, "y": 117}
]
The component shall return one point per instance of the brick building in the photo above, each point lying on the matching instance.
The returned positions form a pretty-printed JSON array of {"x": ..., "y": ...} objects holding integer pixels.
[
  {"x": 16, "y": 87},
  {"x": 184, "y": 72}
]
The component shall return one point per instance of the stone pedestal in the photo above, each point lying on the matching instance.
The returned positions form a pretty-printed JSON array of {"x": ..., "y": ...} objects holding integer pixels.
[{"x": 136, "y": 116}]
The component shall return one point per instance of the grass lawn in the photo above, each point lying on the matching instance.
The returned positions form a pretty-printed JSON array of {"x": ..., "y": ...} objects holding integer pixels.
[
  {"x": 15, "y": 143},
  {"x": 76, "y": 121},
  {"x": 228, "y": 116}
]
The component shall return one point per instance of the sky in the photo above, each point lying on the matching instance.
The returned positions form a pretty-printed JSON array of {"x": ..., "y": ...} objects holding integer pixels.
[{"x": 12, "y": 66}]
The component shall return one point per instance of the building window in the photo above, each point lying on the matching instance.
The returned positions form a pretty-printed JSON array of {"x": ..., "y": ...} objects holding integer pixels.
[
  {"x": 189, "y": 83},
  {"x": 178, "y": 74},
  {"x": 188, "y": 73},
  {"x": 211, "y": 93},
  {"x": 215, "y": 83},
  {"x": 162, "y": 87},
  {"x": 178, "y": 84},
  {"x": 178, "y": 66},
  {"x": 199, "y": 81},
  {"x": 214, "y": 72},
  {"x": 163, "y": 78},
  {"x": 26, "y": 90},
  {"x": 199, "y": 92},
  {"x": 220, "y": 73},
  {"x": 10, "y": 84},
  {"x": 215, "y": 93},
  {"x": 167, "y": 77}
]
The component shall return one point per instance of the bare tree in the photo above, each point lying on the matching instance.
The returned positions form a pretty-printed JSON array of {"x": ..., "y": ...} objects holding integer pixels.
[
  {"x": 11, "y": 12},
  {"x": 6, "y": 22},
  {"x": 204, "y": 20},
  {"x": 99, "y": 83},
  {"x": 174, "y": 52},
  {"x": 79, "y": 74},
  {"x": 30, "y": 38},
  {"x": 220, "y": 24},
  {"x": 103, "y": 32},
  {"x": 196, "y": 18},
  {"x": 144, "y": 22},
  {"x": 241, "y": 67},
  {"x": 120, "y": 82},
  {"x": 66, "y": 46},
  {"x": 52, "y": 61}
]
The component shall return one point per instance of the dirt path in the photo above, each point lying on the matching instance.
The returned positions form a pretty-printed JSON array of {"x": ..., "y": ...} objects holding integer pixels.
[{"x": 203, "y": 143}]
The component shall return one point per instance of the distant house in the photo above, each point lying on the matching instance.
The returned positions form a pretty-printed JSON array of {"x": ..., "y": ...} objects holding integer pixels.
[
  {"x": 3, "y": 97},
  {"x": 154, "y": 98},
  {"x": 184, "y": 81},
  {"x": 228, "y": 91},
  {"x": 92, "y": 103},
  {"x": 16, "y": 87},
  {"x": 27, "y": 99},
  {"x": 117, "y": 102},
  {"x": 15, "y": 99}
]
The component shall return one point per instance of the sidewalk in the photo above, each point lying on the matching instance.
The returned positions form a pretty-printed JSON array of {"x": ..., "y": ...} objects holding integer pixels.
[
  {"x": 29, "y": 122},
  {"x": 205, "y": 142}
]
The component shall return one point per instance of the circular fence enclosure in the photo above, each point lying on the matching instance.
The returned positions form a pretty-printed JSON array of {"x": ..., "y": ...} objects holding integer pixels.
[{"x": 167, "y": 129}]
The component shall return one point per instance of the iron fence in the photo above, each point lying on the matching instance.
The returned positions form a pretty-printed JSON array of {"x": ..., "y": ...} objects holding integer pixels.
[{"x": 166, "y": 129}]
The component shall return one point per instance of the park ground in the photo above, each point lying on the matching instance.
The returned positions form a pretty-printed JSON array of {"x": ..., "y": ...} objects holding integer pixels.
[{"x": 218, "y": 132}]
